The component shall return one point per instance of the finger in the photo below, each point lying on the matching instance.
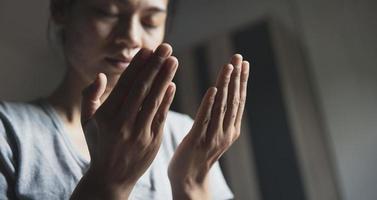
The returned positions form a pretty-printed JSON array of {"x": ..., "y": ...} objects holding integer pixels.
[
  {"x": 160, "y": 117},
  {"x": 122, "y": 88},
  {"x": 152, "y": 102},
  {"x": 142, "y": 85},
  {"x": 233, "y": 94},
  {"x": 91, "y": 97},
  {"x": 219, "y": 106},
  {"x": 243, "y": 91},
  {"x": 203, "y": 115}
]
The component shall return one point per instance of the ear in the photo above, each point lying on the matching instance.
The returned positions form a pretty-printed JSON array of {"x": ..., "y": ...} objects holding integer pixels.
[{"x": 58, "y": 9}]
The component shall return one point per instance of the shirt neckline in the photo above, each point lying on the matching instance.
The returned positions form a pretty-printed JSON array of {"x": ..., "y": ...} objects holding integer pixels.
[{"x": 58, "y": 123}]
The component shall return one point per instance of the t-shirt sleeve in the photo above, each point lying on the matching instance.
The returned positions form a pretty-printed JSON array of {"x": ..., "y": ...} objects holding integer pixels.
[
  {"x": 7, "y": 169},
  {"x": 219, "y": 188}
]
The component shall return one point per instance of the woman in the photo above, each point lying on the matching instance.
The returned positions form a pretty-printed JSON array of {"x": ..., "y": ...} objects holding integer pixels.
[{"x": 112, "y": 108}]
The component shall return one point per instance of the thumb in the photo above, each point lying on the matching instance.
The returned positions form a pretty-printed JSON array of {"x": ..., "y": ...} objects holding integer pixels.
[{"x": 91, "y": 97}]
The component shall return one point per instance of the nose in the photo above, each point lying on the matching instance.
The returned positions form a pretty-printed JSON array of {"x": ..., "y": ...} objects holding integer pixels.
[{"x": 128, "y": 33}]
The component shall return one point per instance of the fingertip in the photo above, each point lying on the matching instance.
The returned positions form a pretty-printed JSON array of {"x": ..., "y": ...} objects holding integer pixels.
[
  {"x": 245, "y": 66},
  {"x": 172, "y": 84},
  {"x": 172, "y": 61},
  {"x": 212, "y": 93},
  {"x": 102, "y": 82},
  {"x": 166, "y": 45},
  {"x": 228, "y": 70},
  {"x": 101, "y": 76},
  {"x": 171, "y": 89},
  {"x": 237, "y": 58},
  {"x": 229, "y": 67},
  {"x": 92, "y": 86},
  {"x": 164, "y": 50},
  {"x": 213, "y": 90},
  {"x": 245, "y": 62},
  {"x": 145, "y": 53}
]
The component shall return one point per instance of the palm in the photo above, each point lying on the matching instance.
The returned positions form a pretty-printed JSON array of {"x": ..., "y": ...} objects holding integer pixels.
[{"x": 216, "y": 127}]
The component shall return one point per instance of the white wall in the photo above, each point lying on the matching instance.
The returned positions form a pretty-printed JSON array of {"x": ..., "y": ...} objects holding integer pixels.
[{"x": 342, "y": 47}]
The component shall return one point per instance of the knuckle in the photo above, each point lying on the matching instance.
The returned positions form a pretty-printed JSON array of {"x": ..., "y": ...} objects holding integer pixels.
[
  {"x": 160, "y": 118},
  {"x": 236, "y": 101},
  {"x": 157, "y": 62},
  {"x": 142, "y": 142},
  {"x": 205, "y": 121},
  {"x": 242, "y": 100},
  {"x": 244, "y": 76},
  {"x": 170, "y": 75},
  {"x": 226, "y": 142},
  {"x": 103, "y": 113},
  {"x": 243, "y": 79},
  {"x": 156, "y": 103},
  {"x": 158, "y": 121},
  {"x": 152, "y": 105},
  {"x": 220, "y": 108},
  {"x": 105, "y": 121},
  {"x": 212, "y": 144},
  {"x": 223, "y": 109},
  {"x": 141, "y": 88},
  {"x": 227, "y": 80},
  {"x": 199, "y": 142}
]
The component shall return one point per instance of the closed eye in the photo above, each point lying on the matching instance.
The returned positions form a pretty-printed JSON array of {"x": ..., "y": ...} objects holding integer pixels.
[
  {"x": 105, "y": 13},
  {"x": 153, "y": 20}
]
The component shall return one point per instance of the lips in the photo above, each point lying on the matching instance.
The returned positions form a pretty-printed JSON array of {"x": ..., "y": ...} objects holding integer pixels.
[{"x": 119, "y": 62}]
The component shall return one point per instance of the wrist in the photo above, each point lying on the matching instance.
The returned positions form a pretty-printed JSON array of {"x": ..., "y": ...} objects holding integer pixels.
[
  {"x": 94, "y": 186},
  {"x": 187, "y": 189}
]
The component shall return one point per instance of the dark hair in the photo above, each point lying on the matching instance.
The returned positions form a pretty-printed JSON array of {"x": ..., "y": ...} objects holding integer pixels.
[
  {"x": 62, "y": 5},
  {"x": 66, "y": 4}
]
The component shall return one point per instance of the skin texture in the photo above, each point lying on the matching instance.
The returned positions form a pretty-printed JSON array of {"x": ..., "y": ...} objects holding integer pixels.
[
  {"x": 217, "y": 125},
  {"x": 121, "y": 107},
  {"x": 93, "y": 31}
]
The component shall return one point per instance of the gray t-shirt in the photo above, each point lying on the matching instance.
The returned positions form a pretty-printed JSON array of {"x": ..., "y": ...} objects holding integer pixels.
[{"x": 38, "y": 160}]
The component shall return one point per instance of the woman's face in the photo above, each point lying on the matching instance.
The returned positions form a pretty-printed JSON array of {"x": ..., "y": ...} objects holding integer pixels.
[{"x": 104, "y": 35}]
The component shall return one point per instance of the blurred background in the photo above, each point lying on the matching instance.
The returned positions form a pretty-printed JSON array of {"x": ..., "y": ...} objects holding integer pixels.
[{"x": 310, "y": 130}]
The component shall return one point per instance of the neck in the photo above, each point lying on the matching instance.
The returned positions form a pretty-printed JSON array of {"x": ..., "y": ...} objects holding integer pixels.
[{"x": 66, "y": 99}]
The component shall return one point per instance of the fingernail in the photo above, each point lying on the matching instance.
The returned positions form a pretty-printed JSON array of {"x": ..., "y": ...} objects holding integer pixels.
[
  {"x": 171, "y": 89},
  {"x": 237, "y": 57},
  {"x": 247, "y": 65},
  {"x": 214, "y": 91},
  {"x": 172, "y": 61},
  {"x": 229, "y": 68}
]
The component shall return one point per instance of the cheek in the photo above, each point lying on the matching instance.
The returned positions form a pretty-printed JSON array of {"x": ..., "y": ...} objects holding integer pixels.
[
  {"x": 84, "y": 40},
  {"x": 152, "y": 40}
]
